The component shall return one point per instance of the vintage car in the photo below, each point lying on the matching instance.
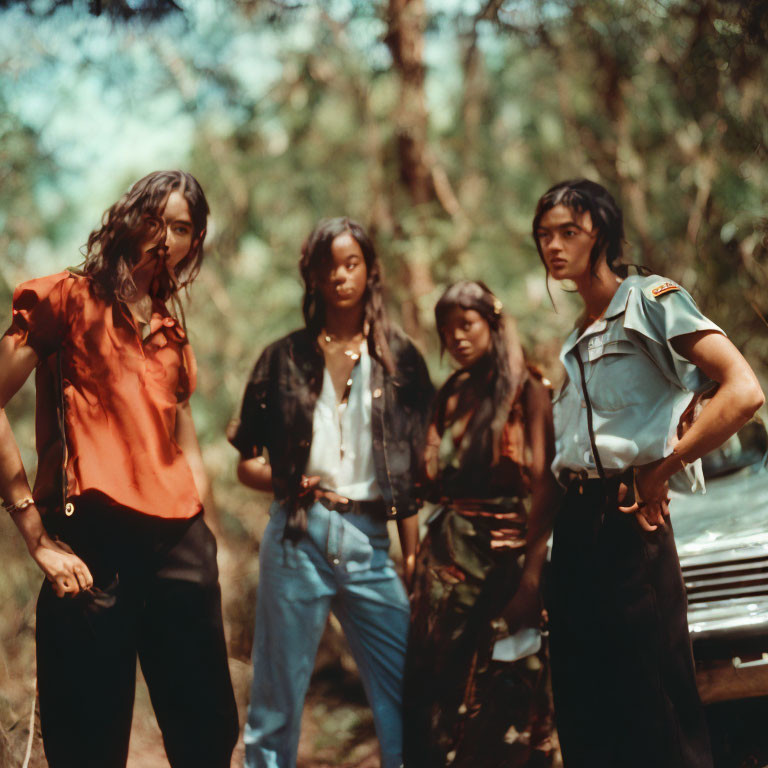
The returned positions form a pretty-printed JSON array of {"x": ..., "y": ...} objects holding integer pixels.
[{"x": 722, "y": 540}]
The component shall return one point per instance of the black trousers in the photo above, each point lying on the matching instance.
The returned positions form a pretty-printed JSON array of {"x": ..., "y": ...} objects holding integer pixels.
[
  {"x": 157, "y": 596},
  {"x": 622, "y": 668}
]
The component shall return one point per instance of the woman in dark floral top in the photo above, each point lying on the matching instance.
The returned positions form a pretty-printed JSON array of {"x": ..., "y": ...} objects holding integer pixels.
[{"x": 478, "y": 569}]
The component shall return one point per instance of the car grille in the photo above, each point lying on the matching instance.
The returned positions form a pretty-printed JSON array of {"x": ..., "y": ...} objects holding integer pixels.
[{"x": 746, "y": 576}]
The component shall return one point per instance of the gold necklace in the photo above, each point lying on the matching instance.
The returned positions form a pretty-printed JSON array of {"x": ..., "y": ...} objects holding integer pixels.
[{"x": 354, "y": 352}]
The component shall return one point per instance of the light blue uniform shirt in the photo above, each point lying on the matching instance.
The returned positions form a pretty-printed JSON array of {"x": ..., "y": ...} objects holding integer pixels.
[{"x": 639, "y": 386}]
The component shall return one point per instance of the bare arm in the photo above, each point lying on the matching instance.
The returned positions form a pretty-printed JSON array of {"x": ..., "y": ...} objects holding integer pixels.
[
  {"x": 256, "y": 473},
  {"x": 67, "y": 572},
  {"x": 545, "y": 491},
  {"x": 408, "y": 531},
  {"x": 525, "y": 607},
  {"x": 737, "y": 399}
]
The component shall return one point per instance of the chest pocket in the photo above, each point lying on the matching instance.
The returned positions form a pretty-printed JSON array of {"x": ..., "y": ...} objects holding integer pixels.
[{"x": 616, "y": 371}]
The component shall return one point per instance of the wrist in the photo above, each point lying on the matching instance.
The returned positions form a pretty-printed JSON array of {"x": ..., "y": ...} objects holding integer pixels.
[
  {"x": 35, "y": 540},
  {"x": 659, "y": 472},
  {"x": 670, "y": 465},
  {"x": 529, "y": 582},
  {"x": 681, "y": 458}
]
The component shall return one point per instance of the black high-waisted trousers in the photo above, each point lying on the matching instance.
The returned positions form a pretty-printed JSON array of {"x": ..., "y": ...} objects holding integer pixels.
[
  {"x": 158, "y": 597},
  {"x": 622, "y": 669}
]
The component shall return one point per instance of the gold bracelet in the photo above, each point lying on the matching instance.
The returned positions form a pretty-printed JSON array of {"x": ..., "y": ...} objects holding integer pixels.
[{"x": 18, "y": 506}]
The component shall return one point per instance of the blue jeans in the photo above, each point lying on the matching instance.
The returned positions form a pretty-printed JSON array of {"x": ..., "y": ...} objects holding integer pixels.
[{"x": 343, "y": 565}]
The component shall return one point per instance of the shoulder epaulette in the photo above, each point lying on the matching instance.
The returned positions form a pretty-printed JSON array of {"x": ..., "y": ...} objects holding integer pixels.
[{"x": 659, "y": 287}]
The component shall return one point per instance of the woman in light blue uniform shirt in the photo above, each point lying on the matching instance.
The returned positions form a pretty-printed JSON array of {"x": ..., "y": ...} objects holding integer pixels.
[{"x": 637, "y": 364}]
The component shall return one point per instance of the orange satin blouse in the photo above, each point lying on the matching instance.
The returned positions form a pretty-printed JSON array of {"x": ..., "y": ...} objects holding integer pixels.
[{"x": 120, "y": 394}]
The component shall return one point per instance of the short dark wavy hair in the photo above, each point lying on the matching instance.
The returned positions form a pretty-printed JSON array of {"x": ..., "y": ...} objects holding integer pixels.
[
  {"x": 585, "y": 196},
  {"x": 112, "y": 250}
]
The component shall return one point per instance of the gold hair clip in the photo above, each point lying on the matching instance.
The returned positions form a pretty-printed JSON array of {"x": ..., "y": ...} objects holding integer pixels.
[{"x": 497, "y": 306}]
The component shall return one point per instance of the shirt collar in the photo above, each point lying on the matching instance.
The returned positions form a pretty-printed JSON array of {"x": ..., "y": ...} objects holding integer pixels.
[
  {"x": 619, "y": 301},
  {"x": 616, "y": 306}
]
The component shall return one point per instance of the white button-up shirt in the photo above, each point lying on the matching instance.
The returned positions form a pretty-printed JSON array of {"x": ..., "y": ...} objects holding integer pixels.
[{"x": 342, "y": 442}]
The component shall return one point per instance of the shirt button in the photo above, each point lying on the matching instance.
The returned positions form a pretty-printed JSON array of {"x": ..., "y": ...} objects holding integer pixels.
[{"x": 377, "y": 392}]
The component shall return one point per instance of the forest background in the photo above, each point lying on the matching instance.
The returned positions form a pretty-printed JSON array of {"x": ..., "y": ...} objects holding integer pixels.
[{"x": 437, "y": 124}]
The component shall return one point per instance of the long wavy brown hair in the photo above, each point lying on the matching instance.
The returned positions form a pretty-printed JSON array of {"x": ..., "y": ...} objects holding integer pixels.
[{"x": 113, "y": 250}]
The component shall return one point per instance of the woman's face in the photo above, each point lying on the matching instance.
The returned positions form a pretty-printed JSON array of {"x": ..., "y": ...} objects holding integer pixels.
[
  {"x": 466, "y": 335},
  {"x": 173, "y": 239},
  {"x": 566, "y": 238},
  {"x": 343, "y": 280}
]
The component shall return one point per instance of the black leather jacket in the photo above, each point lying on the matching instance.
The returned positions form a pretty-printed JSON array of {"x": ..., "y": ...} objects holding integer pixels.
[{"x": 278, "y": 409}]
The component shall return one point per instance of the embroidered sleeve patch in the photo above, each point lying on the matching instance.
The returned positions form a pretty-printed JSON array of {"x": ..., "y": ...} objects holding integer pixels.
[{"x": 660, "y": 290}]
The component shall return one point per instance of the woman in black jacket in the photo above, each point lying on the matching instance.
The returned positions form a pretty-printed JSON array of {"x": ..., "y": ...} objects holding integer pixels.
[{"x": 341, "y": 407}]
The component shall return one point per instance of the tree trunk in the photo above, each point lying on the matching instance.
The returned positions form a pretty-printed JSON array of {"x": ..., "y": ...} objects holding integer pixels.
[
  {"x": 406, "y": 20},
  {"x": 405, "y": 39}
]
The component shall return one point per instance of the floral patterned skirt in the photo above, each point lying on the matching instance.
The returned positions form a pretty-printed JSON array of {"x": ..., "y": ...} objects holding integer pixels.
[{"x": 460, "y": 707}]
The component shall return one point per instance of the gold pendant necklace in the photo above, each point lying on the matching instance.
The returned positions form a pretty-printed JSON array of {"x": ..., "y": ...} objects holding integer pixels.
[{"x": 353, "y": 353}]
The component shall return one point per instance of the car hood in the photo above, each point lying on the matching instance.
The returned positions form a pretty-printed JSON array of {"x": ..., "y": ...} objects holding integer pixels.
[
  {"x": 722, "y": 541},
  {"x": 731, "y": 515}
]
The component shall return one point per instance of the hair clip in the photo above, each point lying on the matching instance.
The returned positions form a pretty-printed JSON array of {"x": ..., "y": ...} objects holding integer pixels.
[{"x": 497, "y": 306}]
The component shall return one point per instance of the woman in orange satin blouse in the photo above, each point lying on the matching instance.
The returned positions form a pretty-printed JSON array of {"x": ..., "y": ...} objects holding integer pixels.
[{"x": 115, "y": 521}]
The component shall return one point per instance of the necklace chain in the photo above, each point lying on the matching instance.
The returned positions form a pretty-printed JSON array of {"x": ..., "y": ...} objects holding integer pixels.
[{"x": 354, "y": 352}]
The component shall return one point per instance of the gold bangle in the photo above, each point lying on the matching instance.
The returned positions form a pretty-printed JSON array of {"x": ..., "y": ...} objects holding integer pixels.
[{"x": 18, "y": 506}]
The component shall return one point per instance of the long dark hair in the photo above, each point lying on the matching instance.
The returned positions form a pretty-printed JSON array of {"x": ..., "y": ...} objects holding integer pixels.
[
  {"x": 585, "y": 196},
  {"x": 505, "y": 361},
  {"x": 112, "y": 250},
  {"x": 316, "y": 255}
]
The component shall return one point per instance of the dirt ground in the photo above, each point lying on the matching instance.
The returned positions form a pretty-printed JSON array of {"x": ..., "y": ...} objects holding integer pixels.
[{"x": 337, "y": 729}]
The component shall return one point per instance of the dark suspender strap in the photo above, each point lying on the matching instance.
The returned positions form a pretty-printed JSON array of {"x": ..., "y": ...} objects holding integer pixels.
[
  {"x": 62, "y": 433},
  {"x": 598, "y": 463}
]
